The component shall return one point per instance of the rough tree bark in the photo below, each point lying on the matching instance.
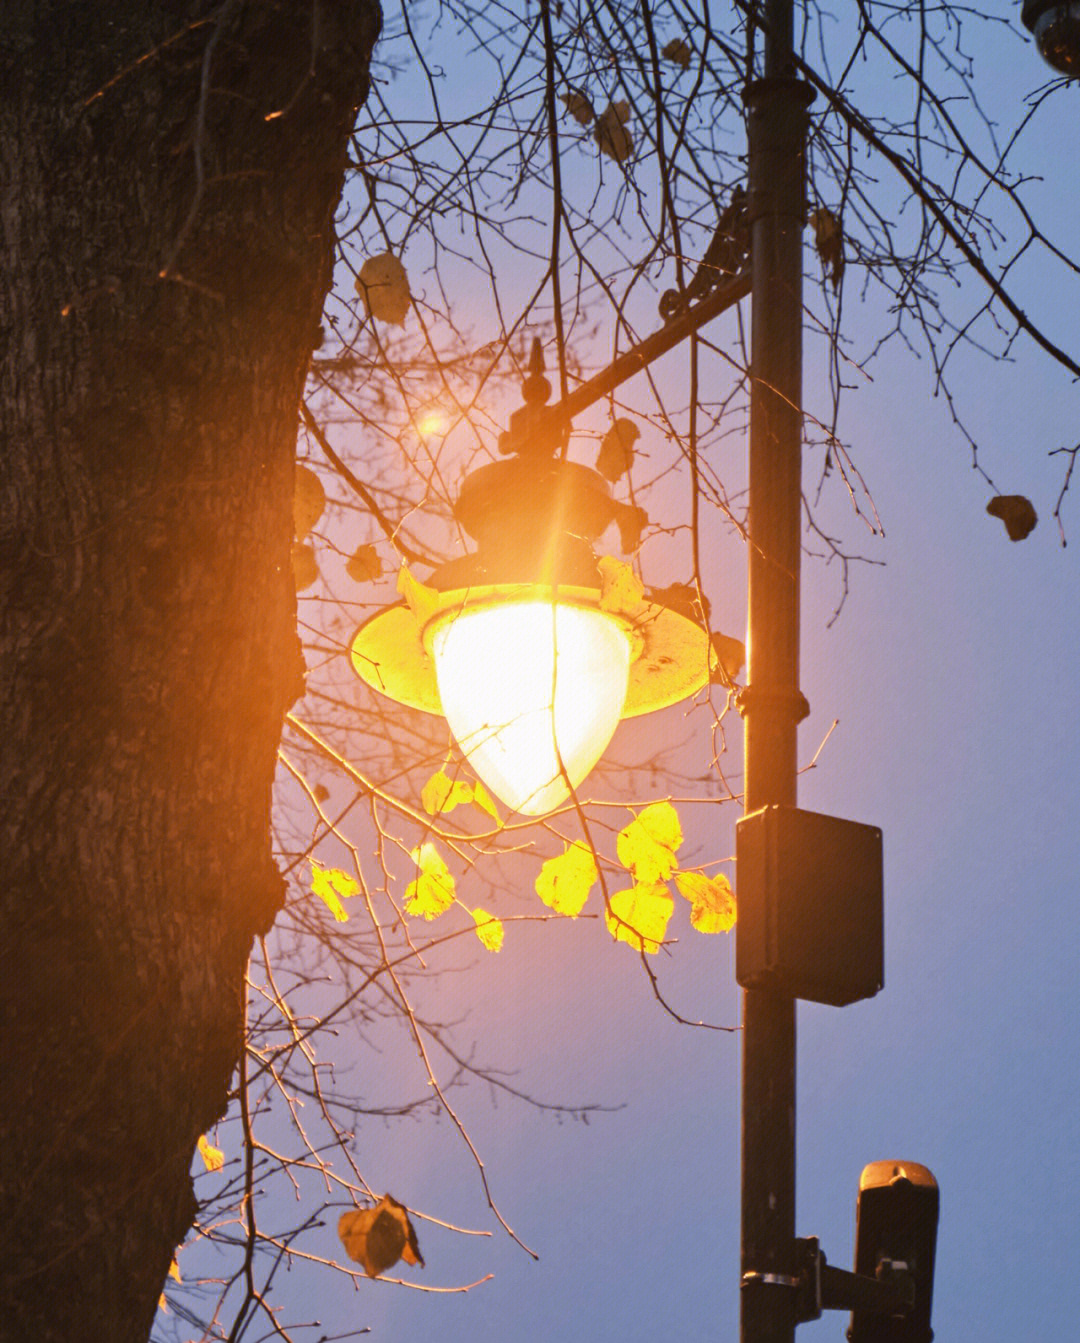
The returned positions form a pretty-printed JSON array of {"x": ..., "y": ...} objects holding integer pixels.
[{"x": 167, "y": 246}]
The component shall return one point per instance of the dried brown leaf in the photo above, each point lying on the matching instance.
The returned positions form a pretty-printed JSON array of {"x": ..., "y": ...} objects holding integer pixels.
[
  {"x": 611, "y": 135},
  {"x": 579, "y": 107},
  {"x": 616, "y": 455},
  {"x": 1016, "y": 512},
  {"x": 309, "y": 500},
  {"x": 378, "y": 1237},
  {"x": 829, "y": 241},
  {"x": 364, "y": 564},
  {"x": 678, "y": 52},
  {"x": 304, "y": 566},
  {"x": 384, "y": 286}
]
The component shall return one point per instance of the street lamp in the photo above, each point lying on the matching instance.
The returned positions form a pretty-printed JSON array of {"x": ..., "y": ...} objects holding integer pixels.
[
  {"x": 499, "y": 639},
  {"x": 1055, "y": 25},
  {"x": 531, "y": 647}
]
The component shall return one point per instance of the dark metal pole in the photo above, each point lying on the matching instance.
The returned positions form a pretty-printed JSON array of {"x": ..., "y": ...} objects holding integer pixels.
[{"x": 772, "y": 704}]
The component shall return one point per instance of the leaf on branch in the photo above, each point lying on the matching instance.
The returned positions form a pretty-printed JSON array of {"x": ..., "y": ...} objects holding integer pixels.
[
  {"x": 431, "y": 892},
  {"x": 640, "y": 916},
  {"x": 213, "y": 1157},
  {"x": 729, "y": 655},
  {"x": 711, "y": 898},
  {"x": 483, "y": 799},
  {"x": 631, "y": 522},
  {"x": 578, "y": 105},
  {"x": 489, "y": 929},
  {"x": 616, "y": 455},
  {"x": 309, "y": 500},
  {"x": 330, "y": 884},
  {"x": 378, "y": 1237},
  {"x": 647, "y": 846},
  {"x": 565, "y": 881},
  {"x": 684, "y": 598},
  {"x": 423, "y": 601},
  {"x": 441, "y": 793},
  {"x": 678, "y": 52},
  {"x": 621, "y": 591},
  {"x": 304, "y": 566},
  {"x": 611, "y": 135},
  {"x": 364, "y": 565},
  {"x": 384, "y": 287},
  {"x": 1017, "y": 513},
  {"x": 829, "y": 241}
]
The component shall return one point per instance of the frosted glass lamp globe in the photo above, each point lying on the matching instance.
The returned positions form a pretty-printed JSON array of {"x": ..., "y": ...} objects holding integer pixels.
[{"x": 526, "y": 684}]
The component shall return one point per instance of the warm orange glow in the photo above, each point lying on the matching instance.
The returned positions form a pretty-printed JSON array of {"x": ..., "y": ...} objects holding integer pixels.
[
  {"x": 430, "y": 422},
  {"x": 525, "y": 683}
]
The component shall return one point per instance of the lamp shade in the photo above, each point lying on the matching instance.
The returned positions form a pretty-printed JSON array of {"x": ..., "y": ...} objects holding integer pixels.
[{"x": 532, "y": 691}]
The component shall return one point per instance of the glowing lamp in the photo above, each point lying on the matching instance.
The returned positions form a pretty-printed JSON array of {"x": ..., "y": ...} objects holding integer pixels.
[
  {"x": 531, "y": 648},
  {"x": 532, "y": 691}
]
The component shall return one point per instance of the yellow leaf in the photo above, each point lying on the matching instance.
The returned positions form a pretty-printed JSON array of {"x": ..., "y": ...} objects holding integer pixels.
[
  {"x": 621, "y": 591},
  {"x": 711, "y": 898},
  {"x": 611, "y": 135},
  {"x": 213, "y": 1157},
  {"x": 441, "y": 793},
  {"x": 423, "y": 601},
  {"x": 364, "y": 565},
  {"x": 378, "y": 1237},
  {"x": 384, "y": 287},
  {"x": 174, "y": 1270},
  {"x": 304, "y": 566},
  {"x": 489, "y": 929},
  {"x": 565, "y": 881},
  {"x": 647, "y": 846},
  {"x": 640, "y": 916},
  {"x": 330, "y": 883},
  {"x": 431, "y": 892},
  {"x": 482, "y": 798},
  {"x": 309, "y": 500}
]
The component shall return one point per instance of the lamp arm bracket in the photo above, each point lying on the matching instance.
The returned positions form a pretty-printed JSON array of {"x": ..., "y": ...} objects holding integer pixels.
[
  {"x": 553, "y": 421},
  {"x": 725, "y": 255},
  {"x": 820, "y": 1286}
]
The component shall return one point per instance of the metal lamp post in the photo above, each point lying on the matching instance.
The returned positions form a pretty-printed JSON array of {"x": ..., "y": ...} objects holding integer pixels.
[
  {"x": 791, "y": 864},
  {"x": 772, "y": 705}
]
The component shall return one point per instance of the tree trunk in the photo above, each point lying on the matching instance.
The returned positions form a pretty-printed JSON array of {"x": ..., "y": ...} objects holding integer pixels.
[{"x": 168, "y": 176}]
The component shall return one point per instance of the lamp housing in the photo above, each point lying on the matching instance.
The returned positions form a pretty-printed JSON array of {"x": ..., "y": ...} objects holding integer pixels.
[
  {"x": 519, "y": 644},
  {"x": 1055, "y": 26},
  {"x": 896, "y": 1217}
]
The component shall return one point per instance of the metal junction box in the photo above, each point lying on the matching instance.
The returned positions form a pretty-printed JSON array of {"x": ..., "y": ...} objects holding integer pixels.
[{"x": 810, "y": 906}]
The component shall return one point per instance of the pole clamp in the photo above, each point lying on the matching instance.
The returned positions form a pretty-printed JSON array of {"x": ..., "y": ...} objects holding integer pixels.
[
  {"x": 782, "y": 698},
  {"x": 754, "y": 1279}
]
